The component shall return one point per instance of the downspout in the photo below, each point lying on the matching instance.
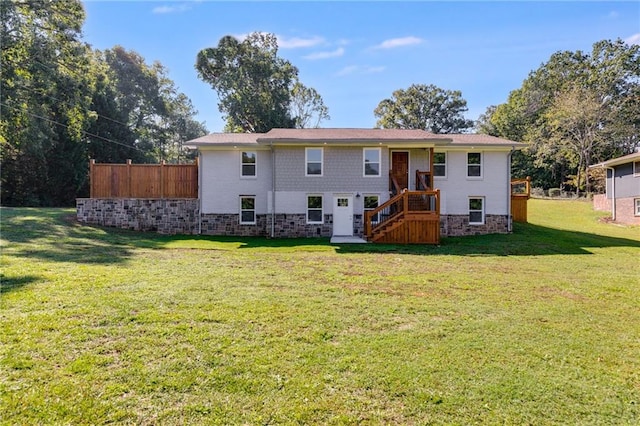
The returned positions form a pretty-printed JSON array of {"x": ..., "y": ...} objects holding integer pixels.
[
  {"x": 199, "y": 192},
  {"x": 273, "y": 191},
  {"x": 613, "y": 192},
  {"x": 509, "y": 216}
]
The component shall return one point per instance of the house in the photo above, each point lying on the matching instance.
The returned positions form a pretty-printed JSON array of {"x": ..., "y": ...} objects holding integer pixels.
[
  {"x": 387, "y": 185},
  {"x": 622, "y": 195}
]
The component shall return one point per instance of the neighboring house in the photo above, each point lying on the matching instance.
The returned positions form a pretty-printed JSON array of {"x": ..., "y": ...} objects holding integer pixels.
[
  {"x": 388, "y": 185},
  {"x": 622, "y": 196}
]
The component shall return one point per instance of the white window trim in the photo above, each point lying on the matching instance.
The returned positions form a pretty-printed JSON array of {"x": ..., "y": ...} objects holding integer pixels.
[
  {"x": 481, "y": 165},
  {"x": 255, "y": 165},
  {"x": 636, "y": 170},
  {"x": 483, "y": 210},
  {"x": 636, "y": 202},
  {"x": 443, "y": 177},
  {"x": 306, "y": 161},
  {"x": 321, "y": 209},
  {"x": 364, "y": 167},
  {"x": 254, "y": 210}
]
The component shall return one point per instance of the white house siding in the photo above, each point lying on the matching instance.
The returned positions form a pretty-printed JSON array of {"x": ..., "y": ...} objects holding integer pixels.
[
  {"x": 456, "y": 188},
  {"x": 222, "y": 185}
]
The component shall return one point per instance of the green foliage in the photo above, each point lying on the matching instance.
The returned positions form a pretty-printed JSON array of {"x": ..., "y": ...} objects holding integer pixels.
[
  {"x": 575, "y": 110},
  {"x": 62, "y": 104},
  {"x": 307, "y": 107},
  {"x": 258, "y": 90},
  {"x": 110, "y": 326},
  {"x": 424, "y": 107}
]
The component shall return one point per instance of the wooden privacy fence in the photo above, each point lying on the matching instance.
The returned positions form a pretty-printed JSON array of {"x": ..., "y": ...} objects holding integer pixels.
[
  {"x": 143, "y": 180},
  {"x": 520, "y": 194}
]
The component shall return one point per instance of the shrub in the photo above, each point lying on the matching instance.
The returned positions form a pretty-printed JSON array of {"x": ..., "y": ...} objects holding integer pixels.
[{"x": 554, "y": 192}]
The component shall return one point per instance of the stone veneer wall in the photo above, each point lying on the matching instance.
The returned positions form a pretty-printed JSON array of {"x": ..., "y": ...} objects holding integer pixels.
[
  {"x": 165, "y": 216},
  {"x": 180, "y": 216},
  {"x": 458, "y": 225},
  {"x": 229, "y": 224}
]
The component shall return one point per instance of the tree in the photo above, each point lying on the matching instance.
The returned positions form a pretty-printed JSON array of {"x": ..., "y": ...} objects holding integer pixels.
[
  {"x": 425, "y": 107},
  {"x": 258, "y": 90},
  {"x": 252, "y": 82},
  {"x": 45, "y": 90},
  {"x": 307, "y": 107},
  {"x": 577, "y": 108},
  {"x": 139, "y": 107}
]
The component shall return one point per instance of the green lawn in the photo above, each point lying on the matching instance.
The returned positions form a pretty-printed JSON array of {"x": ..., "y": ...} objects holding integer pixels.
[{"x": 108, "y": 326}]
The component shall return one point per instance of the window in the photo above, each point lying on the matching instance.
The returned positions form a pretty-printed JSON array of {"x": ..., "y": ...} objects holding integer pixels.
[
  {"x": 247, "y": 210},
  {"x": 371, "y": 161},
  {"x": 476, "y": 211},
  {"x": 248, "y": 164},
  {"x": 370, "y": 203},
  {"x": 440, "y": 164},
  {"x": 637, "y": 206},
  {"x": 474, "y": 164},
  {"x": 314, "y": 209},
  {"x": 313, "y": 159},
  {"x": 636, "y": 168}
]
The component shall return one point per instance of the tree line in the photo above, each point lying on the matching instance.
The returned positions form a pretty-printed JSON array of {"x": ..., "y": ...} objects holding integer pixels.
[{"x": 62, "y": 102}]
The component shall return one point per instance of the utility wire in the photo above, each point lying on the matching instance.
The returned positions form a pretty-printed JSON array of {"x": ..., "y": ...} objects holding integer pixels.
[{"x": 83, "y": 131}]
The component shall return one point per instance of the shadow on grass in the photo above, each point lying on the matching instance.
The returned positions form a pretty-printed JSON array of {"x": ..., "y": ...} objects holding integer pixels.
[
  {"x": 8, "y": 284},
  {"x": 54, "y": 235}
]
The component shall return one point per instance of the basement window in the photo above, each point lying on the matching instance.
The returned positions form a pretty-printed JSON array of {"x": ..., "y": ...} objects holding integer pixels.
[
  {"x": 476, "y": 211},
  {"x": 247, "y": 210}
]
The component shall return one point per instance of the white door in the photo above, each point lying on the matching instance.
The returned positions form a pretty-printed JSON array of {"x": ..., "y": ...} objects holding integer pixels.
[{"x": 343, "y": 215}]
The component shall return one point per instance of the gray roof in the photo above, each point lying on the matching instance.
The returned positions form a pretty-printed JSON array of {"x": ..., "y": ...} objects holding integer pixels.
[
  {"x": 618, "y": 161},
  {"x": 347, "y": 135}
]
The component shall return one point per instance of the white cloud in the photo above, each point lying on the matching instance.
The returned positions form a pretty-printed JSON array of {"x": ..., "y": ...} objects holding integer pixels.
[
  {"x": 325, "y": 55},
  {"x": 399, "y": 42},
  {"x": 613, "y": 15},
  {"x": 634, "y": 39},
  {"x": 297, "y": 42},
  {"x": 355, "y": 69},
  {"x": 171, "y": 9}
]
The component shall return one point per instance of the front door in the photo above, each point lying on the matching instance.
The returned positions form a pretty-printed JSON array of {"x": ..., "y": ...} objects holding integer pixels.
[
  {"x": 343, "y": 215},
  {"x": 400, "y": 168}
]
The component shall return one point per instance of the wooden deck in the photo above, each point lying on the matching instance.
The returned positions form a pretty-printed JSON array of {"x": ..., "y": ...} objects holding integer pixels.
[
  {"x": 411, "y": 217},
  {"x": 520, "y": 194}
]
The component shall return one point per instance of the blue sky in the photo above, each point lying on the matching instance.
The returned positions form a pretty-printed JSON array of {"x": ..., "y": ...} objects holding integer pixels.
[{"x": 355, "y": 54}]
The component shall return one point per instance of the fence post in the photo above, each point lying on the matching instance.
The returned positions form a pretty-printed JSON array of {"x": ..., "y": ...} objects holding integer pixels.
[
  {"x": 92, "y": 163},
  {"x": 162, "y": 179},
  {"x": 128, "y": 178}
]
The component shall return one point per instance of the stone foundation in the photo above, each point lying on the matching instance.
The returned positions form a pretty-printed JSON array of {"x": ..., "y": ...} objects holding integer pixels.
[
  {"x": 181, "y": 216},
  {"x": 229, "y": 224},
  {"x": 171, "y": 216},
  {"x": 458, "y": 225}
]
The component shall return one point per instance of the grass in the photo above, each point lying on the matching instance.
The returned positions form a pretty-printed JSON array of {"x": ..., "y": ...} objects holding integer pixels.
[{"x": 109, "y": 326}]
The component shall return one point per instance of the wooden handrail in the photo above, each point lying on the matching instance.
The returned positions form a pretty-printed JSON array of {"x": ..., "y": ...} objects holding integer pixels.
[
  {"x": 517, "y": 184},
  {"x": 421, "y": 181},
  {"x": 393, "y": 183}
]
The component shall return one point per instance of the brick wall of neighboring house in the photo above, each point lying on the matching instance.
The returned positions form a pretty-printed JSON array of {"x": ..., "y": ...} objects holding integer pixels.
[
  {"x": 625, "y": 211},
  {"x": 169, "y": 216},
  {"x": 601, "y": 202},
  {"x": 458, "y": 225}
]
